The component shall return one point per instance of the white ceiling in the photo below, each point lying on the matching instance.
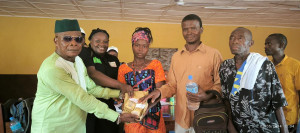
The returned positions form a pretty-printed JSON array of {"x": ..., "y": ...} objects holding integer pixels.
[{"x": 278, "y": 13}]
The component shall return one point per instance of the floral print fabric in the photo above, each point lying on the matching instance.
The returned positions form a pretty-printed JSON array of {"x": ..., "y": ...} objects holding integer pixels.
[{"x": 253, "y": 111}]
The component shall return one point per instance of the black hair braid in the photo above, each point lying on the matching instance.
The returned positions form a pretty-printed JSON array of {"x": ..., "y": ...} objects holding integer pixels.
[
  {"x": 94, "y": 31},
  {"x": 147, "y": 32}
]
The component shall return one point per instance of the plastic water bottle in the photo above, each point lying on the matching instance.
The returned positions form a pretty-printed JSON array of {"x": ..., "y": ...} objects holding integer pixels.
[
  {"x": 15, "y": 125},
  {"x": 193, "y": 88}
]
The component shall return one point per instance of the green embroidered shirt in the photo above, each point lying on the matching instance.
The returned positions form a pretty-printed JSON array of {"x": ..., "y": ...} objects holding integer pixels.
[{"x": 61, "y": 105}]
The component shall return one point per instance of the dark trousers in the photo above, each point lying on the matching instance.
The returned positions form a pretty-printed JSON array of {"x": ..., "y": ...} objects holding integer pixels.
[{"x": 95, "y": 125}]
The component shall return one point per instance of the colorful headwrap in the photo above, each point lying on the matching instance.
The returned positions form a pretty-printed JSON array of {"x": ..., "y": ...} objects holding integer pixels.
[{"x": 139, "y": 35}]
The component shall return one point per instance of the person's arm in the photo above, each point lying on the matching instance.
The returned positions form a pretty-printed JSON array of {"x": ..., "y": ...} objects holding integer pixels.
[
  {"x": 59, "y": 81},
  {"x": 281, "y": 120},
  {"x": 101, "y": 79},
  {"x": 278, "y": 97},
  {"x": 169, "y": 89},
  {"x": 128, "y": 117},
  {"x": 99, "y": 91},
  {"x": 217, "y": 62},
  {"x": 160, "y": 84},
  {"x": 224, "y": 94},
  {"x": 98, "y": 77},
  {"x": 151, "y": 104},
  {"x": 230, "y": 126}
]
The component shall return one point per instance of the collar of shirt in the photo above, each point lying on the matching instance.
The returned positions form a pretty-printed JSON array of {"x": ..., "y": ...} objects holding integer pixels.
[
  {"x": 200, "y": 48},
  {"x": 284, "y": 59}
]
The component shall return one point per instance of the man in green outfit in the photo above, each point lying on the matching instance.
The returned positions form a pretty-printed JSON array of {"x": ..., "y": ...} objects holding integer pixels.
[{"x": 65, "y": 93}]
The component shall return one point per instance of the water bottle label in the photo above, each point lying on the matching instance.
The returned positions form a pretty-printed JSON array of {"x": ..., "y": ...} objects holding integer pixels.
[
  {"x": 16, "y": 126},
  {"x": 192, "y": 90}
]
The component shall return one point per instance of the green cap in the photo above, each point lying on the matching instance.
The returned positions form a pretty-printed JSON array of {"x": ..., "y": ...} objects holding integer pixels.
[{"x": 66, "y": 25}]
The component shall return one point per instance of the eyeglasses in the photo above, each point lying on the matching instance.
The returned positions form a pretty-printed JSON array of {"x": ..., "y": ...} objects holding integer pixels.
[{"x": 69, "y": 39}]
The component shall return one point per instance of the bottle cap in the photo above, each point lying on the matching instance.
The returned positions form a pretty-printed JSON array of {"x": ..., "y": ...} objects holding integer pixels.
[
  {"x": 190, "y": 77},
  {"x": 11, "y": 118}
]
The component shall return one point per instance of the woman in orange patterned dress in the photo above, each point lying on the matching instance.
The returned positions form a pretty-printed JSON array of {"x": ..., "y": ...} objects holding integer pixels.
[{"x": 144, "y": 75}]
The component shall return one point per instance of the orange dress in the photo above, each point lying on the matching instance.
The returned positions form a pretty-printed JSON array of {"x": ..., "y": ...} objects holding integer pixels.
[{"x": 144, "y": 80}]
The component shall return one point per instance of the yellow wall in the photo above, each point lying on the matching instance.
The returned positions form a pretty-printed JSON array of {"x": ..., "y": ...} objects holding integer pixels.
[{"x": 26, "y": 42}]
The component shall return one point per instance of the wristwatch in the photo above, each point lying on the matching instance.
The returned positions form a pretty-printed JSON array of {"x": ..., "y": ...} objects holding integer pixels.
[{"x": 118, "y": 120}]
